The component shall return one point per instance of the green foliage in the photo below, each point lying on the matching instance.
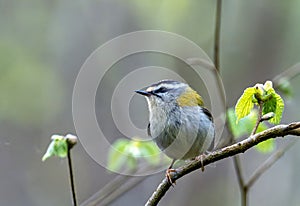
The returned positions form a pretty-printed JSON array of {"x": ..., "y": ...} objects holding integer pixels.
[
  {"x": 273, "y": 104},
  {"x": 266, "y": 146},
  {"x": 246, "y": 117},
  {"x": 57, "y": 147},
  {"x": 279, "y": 109},
  {"x": 260, "y": 94},
  {"x": 245, "y": 125},
  {"x": 244, "y": 104},
  {"x": 126, "y": 153}
]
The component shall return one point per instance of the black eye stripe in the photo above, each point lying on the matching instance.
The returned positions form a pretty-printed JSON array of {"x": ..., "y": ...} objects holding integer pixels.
[
  {"x": 155, "y": 94},
  {"x": 161, "y": 90}
]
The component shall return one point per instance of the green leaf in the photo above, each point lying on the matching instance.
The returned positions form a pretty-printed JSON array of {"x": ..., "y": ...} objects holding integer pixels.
[
  {"x": 244, "y": 104},
  {"x": 266, "y": 146},
  {"x": 117, "y": 156},
  {"x": 57, "y": 147},
  {"x": 116, "y": 160},
  {"x": 150, "y": 148},
  {"x": 49, "y": 152},
  {"x": 121, "y": 144},
  {"x": 134, "y": 149},
  {"x": 279, "y": 110},
  {"x": 245, "y": 125},
  {"x": 127, "y": 153},
  {"x": 151, "y": 153},
  {"x": 275, "y": 105},
  {"x": 269, "y": 106},
  {"x": 131, "y": 162},
  {"x": 236, "y": 129},
  {"x": 61, "y": 148}
]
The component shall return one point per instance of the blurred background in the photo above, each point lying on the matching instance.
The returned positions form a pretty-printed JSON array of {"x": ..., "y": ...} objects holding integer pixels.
[{"x": 43, "y": 45}]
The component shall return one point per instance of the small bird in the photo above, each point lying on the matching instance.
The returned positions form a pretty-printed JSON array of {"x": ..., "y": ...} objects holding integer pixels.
[{"x": 178, "y": 121}]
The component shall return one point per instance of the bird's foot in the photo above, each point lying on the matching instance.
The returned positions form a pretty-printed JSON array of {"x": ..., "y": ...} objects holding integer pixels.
[
  {"x": 168, "y": 176},
  {"x": 201, "y": 157}
]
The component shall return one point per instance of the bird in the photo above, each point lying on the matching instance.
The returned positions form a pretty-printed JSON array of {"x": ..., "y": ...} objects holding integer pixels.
[{"x": 179, "y": 123}]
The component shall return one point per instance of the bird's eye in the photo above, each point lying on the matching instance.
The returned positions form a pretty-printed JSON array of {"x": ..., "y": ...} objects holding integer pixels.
[{"x": 161, "y": 90}]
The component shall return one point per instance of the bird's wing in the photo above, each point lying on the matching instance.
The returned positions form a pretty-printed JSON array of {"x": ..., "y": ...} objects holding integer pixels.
[
  {"x": 148, "y": 130},
  {"x": 207, "y": 112}
]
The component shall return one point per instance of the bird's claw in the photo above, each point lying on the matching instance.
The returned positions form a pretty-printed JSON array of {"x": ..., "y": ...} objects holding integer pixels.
[
  {"x": 200, "y": 157},
  {"x": 168, "y": 176}
]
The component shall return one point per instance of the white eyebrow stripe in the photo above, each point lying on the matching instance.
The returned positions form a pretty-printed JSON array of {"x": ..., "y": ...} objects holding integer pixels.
[
  {"x": 149, "y": 89},
  {"x": 167, "y": 85}
]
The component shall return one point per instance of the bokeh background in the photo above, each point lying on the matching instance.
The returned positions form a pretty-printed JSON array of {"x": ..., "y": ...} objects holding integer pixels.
[{"x": 43, "y": 44}]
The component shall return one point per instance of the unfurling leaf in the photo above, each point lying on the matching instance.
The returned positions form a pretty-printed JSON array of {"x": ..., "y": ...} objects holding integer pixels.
[
  {"x": 268, "y": 86},
  {"x": 260, "y": 95},
  {"x": 116, "y": 157},
  {"x": 128, "y": 153},
  {"x": 275, "y": 105},
  {"x": 49, "y": 152},
  {"x": 244, "y": 104},
  {"x": 58, "y": 147},
  {"x": 279, "y": 109}
]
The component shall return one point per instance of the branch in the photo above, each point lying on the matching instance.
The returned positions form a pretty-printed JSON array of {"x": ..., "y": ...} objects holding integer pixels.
[
  {"x": 259, "y": 118},
  {"x": 239, "y": 147},
  {"x": 240, "y": 179},
  {"x": 217, "y": 35}
]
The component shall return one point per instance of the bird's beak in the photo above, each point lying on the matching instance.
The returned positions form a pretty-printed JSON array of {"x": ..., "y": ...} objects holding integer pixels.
[{"x": 143, "y": 92}]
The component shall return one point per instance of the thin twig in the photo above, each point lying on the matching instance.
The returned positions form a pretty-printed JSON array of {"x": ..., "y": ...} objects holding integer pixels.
[
  {"x": 217, "y": 35},
  {"x": 268, "y": 163},
  {"x": 239, "y": 147},
  {"x": 107, "y": 190},
  {"x": 258, "y": 118},
  {"x": 118, "y": 186},
  {"x": 239, "y": 174},
  {"x": 238, "y": 171},
  {"x": 123, "y": 189},
  {"x": 236, "y": 161},
  {"x": 72, "y": 185}
]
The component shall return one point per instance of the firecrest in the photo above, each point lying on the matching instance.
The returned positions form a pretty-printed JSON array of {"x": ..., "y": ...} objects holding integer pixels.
[{"x": 179, "y": 123}]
